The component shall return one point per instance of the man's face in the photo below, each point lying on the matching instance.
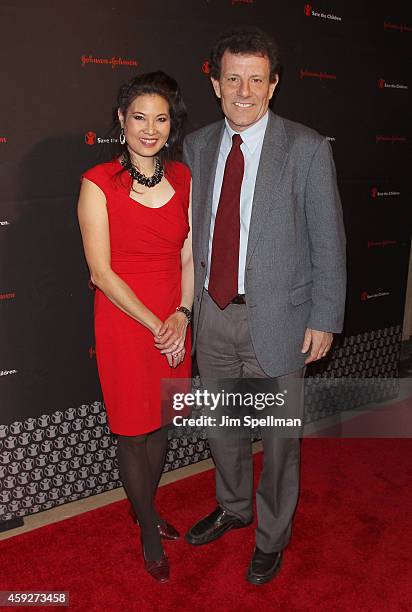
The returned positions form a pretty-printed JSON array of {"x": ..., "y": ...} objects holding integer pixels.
[{"x": 244, "y": 88}]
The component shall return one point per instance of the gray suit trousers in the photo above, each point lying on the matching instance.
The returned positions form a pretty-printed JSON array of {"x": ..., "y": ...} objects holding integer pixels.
[{"x": 224, "y": 351}]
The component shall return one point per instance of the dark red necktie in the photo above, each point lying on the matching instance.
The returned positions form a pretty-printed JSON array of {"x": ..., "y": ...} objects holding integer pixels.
[{"x": 224, "y": 265}]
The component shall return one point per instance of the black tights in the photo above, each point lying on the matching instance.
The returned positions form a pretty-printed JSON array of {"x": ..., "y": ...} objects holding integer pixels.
[{"x": 141, "y": 459}]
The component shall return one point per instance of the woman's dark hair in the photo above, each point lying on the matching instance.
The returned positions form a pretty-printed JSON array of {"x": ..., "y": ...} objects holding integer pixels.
[
  {"x": 165, "y": 86},
  {"x": 250, "y": 41}
]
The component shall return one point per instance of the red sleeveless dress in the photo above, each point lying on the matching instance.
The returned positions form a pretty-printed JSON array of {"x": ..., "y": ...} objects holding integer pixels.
[{"x": 145, "y": 245}]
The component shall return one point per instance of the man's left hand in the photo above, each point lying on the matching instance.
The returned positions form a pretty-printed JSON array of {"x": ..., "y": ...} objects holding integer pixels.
[{"x": 319, "y": 343}]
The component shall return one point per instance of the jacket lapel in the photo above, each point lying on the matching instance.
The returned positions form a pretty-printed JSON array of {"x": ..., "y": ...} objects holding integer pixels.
[
  {"x": 272, "y": 161},
  {"x": 209, "y": 157}
]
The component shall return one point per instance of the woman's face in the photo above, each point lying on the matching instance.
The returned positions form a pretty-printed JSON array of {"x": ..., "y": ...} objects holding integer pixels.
[{"x": 146, "y": 125}]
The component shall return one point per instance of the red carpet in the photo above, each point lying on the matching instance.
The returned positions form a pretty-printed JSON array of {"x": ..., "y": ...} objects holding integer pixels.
[
  {"x": 351, "y": 545},
  {"x": 391, "y": 421}
]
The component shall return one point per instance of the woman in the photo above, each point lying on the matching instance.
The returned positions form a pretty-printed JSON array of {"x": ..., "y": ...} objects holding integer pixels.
[{"x": 134, "y": 215}]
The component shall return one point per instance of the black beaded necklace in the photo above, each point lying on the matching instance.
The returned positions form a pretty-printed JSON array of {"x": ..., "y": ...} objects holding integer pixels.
[{"x": 150, "y": 181}]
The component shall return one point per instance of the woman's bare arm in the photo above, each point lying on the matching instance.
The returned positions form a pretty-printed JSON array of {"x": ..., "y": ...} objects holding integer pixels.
[
  {"x": 173, "y": 329},
  {"x": 187, "y": 264},
  {"x": 94, "y": 226}
]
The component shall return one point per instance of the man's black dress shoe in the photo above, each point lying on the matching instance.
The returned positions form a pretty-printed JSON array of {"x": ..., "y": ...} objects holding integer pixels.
[
  {"x": 213, "y": 526},
  {"x": 263, "y": 566}
]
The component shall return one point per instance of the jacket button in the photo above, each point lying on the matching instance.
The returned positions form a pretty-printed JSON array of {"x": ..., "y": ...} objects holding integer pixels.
[{"x": 202, "y": 263}]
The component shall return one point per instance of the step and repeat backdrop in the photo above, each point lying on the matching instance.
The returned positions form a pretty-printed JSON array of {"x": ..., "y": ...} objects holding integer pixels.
[{"x": 344, "y": 74}]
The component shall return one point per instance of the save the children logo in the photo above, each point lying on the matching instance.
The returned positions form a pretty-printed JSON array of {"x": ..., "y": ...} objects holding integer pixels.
[
  {"x": 375, "y": 193},
  {"x": 7, "y": 372},
  {"x": 365, "y": 296},
  {"x": 382, "y": 84},
  {"x": 91, "y": 138},
  {"x": 309, "y": 11}
]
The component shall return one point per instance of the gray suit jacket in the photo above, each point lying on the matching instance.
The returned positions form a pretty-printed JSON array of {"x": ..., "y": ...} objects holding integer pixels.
[{"x": 295, "y": 266}]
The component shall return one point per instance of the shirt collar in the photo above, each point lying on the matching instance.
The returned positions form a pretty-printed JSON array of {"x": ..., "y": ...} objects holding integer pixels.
[{"x": 252, "y": 136}]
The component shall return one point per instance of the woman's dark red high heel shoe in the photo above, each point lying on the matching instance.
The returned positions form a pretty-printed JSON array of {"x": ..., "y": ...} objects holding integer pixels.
[
  {"x": 158, "y": 569},
  {"x": 166, "y": 530}
]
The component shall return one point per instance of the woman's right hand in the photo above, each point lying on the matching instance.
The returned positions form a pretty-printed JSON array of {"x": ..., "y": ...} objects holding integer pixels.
[{"x": 175, "y": 358}]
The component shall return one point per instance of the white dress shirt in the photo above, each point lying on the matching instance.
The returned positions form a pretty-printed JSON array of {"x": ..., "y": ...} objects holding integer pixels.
[{"x": 251, "y": 148}]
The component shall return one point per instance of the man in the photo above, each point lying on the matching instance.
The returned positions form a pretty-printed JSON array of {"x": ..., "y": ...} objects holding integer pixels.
[{"x": 269, "y": 253}]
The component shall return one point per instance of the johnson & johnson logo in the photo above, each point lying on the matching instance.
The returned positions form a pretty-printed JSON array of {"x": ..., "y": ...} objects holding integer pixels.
[
  {"x": 401, "y": 27},
  {"x": 317, "y": 75},
  {"x": 311, "y": 12},
  {"x": 3, "y": 139},
  {"x": 113, "y": 62},
  {"x": 382, "y": 84},
  {"x": 375, "y": 193},
  {"x": 381, "y": 243},
  {"x": 391, "y": 139},
  {"x": 7, "y": 296}
]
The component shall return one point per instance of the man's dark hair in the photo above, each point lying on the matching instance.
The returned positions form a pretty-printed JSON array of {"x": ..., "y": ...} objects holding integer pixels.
[{"x": 247, "y": 41}]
